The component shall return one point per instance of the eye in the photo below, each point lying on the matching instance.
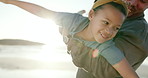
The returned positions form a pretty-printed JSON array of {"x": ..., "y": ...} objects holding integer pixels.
[
  {"x": 117, "y": 28},
  {"x": 105, "y": 22}
]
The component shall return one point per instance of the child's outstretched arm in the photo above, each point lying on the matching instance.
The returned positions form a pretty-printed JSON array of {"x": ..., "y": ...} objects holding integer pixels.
[
  {"x": 32, "y": 8},
  {"x": 125, "y": 70}
]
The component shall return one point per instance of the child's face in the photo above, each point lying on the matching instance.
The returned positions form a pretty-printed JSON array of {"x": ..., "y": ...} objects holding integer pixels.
[{"x": 105, "y": 23}]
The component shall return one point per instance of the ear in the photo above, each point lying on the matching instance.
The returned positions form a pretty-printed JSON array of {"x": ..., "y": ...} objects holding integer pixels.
[{"x": 91, "y": 14}]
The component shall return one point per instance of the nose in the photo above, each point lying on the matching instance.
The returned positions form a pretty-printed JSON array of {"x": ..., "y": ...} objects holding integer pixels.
[
  {"x": 109, "y": 32},
  {"x": 133, "y": 2}
]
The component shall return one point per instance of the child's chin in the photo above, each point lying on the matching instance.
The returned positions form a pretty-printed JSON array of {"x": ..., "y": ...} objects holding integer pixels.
[{"x": 100, "y": 41}]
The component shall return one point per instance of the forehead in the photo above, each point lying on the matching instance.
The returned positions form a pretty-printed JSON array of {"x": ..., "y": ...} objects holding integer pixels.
[
  {"x": 111, "y": 13},
  {"x": 143, "y": 1}
]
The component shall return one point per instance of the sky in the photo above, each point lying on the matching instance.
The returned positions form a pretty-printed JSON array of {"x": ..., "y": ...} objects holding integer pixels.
[{"x": 16, "y": 23}]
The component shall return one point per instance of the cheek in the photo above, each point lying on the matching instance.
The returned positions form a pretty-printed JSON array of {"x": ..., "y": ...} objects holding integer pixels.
[
  {"x": 97, "y": 29},
  {"x": 114, "y": 34},
  {"x": 95, "y": 26}
]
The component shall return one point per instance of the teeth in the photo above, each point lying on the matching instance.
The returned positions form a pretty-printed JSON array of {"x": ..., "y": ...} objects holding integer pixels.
[{"x": 104, "y": 36}]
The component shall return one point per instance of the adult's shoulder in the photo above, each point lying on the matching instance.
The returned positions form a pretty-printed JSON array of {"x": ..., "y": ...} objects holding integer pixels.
[
  {"x": 134, "y": 23},
  {"x": 132, "y": 39},
  {"x": 134, "y": 29}
]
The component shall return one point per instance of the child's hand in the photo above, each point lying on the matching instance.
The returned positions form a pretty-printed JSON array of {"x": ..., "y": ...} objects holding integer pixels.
[
  {"x": 6, "y": 1},
  {"x": 81, "y": 12}
]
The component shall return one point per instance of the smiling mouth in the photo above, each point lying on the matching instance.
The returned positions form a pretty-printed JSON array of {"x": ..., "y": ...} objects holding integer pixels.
[{"x": 103, "y": 36}]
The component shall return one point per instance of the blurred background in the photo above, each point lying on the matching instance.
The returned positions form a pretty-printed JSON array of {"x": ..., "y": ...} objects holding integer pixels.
[{"x": 31, "y": 47}]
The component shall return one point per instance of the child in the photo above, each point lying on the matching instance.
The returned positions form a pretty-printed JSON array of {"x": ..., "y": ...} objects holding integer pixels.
[{"x": 88, "y": 39}]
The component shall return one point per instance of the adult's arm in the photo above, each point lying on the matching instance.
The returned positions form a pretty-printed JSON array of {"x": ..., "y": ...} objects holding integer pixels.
[
  {"x": 132, "y": 41},
  {"x": 30, "y": 7},
  {"x": 117, "y": 59},
  {"x": 125, "y": 70}
]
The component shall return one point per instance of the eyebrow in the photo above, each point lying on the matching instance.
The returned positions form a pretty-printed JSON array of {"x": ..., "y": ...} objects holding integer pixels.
[
  {"x": 144, "y": 1},
  {"x": 111, "y": 21}
]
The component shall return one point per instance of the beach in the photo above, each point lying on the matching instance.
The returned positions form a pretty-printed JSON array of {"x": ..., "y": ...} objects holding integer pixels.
[{"x": 42, "y": 62}]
